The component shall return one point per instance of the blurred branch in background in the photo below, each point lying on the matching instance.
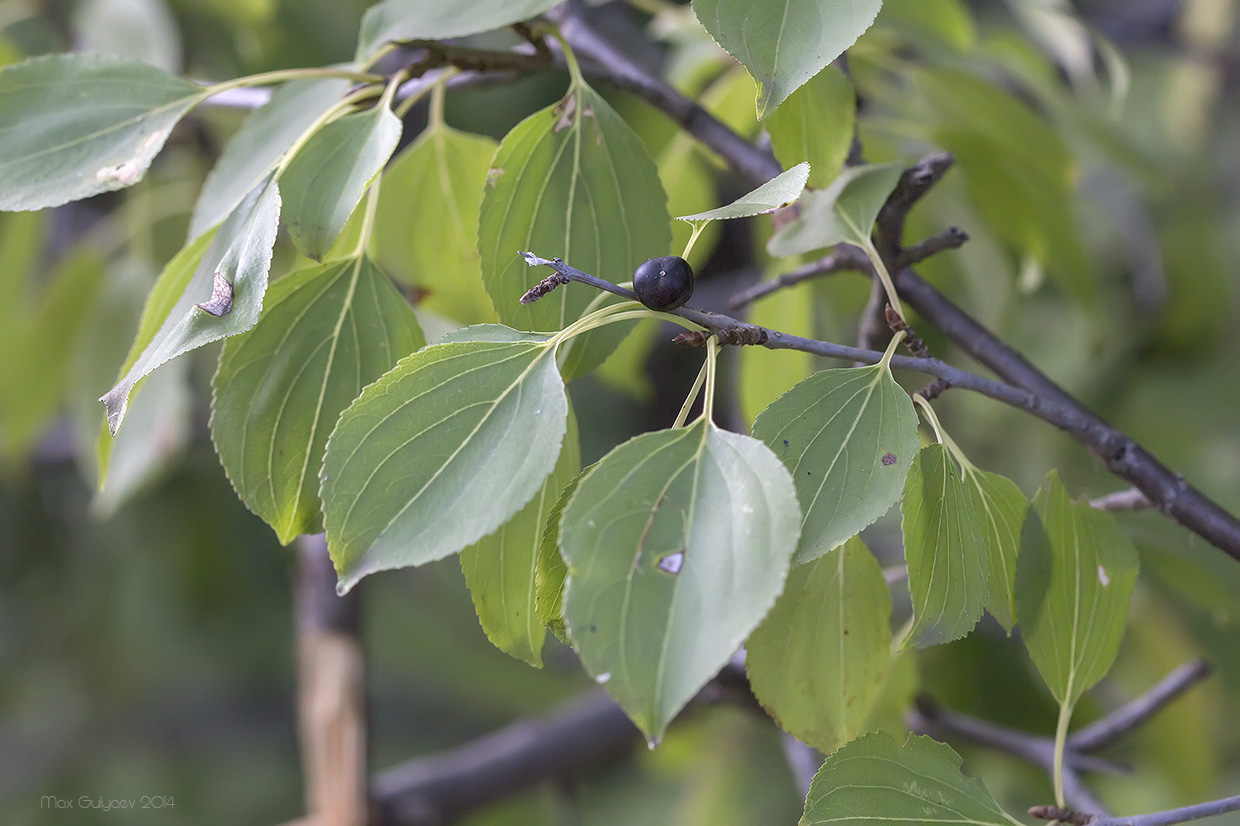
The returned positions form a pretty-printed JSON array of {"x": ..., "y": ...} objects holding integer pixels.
[
  {"x": 927, "y": 717},
  {"x": 331, "y": 699}
]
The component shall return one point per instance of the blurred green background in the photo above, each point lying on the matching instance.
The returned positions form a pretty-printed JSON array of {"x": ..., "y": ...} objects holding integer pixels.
[{"x": 146, "y": 632}]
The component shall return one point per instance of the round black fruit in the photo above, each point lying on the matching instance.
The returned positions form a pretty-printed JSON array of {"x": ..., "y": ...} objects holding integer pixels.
[{"x": 663, "y": 283}]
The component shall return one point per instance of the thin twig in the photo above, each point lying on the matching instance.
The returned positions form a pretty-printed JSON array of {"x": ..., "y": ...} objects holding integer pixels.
[
  {"x": 1124, "y": 719},
  {"x": 949, "y": 239},
  {"x": 1122, "y": 500},
  {"x": 843, "y": 258},
  {"x": 729, "y": 330},
  {"x": 1170, "y": 816}
]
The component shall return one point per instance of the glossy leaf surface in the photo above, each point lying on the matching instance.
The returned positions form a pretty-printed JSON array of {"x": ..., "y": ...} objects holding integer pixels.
[
  {"x": 848, "y": 437},
  {"x": 784, "y": 43},
  {"x": 329, "y": 175},
  {"x": 818, "y": 660},
  {"x": 779, "y": 191},
  {"x": 327, "y": 332},
  {"x": 440, "y": 452},
  {"x": 844, "y": 211},
  {"x": 240, "y": 254},
  {"x": 943, "y": 545},
  {"x": 677, "y": 544},
  {"x": 502, "y": 569},
  {"x": 1076, "y": 574},
  {"x": 259, "y": 144},
  {"x": 873, "y": 781},
  {"x": 571, "y": 181},
  {"x": 75, "y": 125},
  {"x": 440, "y": 19}
]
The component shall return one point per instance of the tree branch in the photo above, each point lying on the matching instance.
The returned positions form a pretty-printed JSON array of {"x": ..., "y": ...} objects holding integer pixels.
[
  {"x": 589, "y": 732},
  {"x": 728, "y": 330},
  {"x": 928, "y": 718},
  {"x": 331, "y": 695},
  {"x": 1195, "y": 812},
  {"x": 1124, "y": 719},
  {"x": 436, "y": 789},
  {"x": 844, "y": 257},
  {"x": 1124, "y": 457}
]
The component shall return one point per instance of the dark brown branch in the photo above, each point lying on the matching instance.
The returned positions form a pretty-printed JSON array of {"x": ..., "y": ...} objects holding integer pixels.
[
  {"x": 1124, "y": 719},
  {"x": 1170, "y": 493},
  {"x": 729, "y": 330}
]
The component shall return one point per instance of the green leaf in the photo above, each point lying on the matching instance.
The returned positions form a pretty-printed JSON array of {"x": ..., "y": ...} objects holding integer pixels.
[
  {"x": 815, "y": 124},
  {"x": 426, "y": 227},
  {"x": 779, "y": 191},
  {"x": 39, "y": 343},
  {"x": 161, "y": 300},
  {"x": 326, "y": 179},
  {"x": 161, "y": 424},
  {"x": 844, "y": 211},
  {"x": 1076, "y": 574},
  {"x": 76, "y": 125},
  {"x": 327, "y": 332},
  {"x": 946, "y": 555},
  {"x": 1000, "y": 509},
  {"x": 502, "y": 569},
  {"x": 440, "y": 452},
  {"x": 873, "y": 781},
  {"x": 571, "y": 181},
  {"x": 259, "y": 144},
  {"x": 1018, "y": 169},
  {"x": 786, "y": 42},
  {"x": 240, "y": 256},
  {"x": 552, "y": 569},
  {"x": 948, "y": 21},
  {"x": 677, "y": 545},
  {"x": 818, "y": 660},
  {"x": 440, "y": 19},
  {"x": 848, "y": 437}
]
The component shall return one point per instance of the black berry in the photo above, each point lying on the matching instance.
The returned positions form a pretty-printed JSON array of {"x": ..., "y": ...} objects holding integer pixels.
[{"x": 663, "y": 283}]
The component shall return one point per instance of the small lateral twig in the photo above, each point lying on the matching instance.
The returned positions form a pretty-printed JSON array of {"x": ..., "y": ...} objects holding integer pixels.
[
  {"x": 1122, "y": 500},
  {"x": 845, "y": 257}
]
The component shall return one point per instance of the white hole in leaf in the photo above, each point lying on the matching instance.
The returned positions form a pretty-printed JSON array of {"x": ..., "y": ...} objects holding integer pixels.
[
  {"x": 672, "y": 563},
  {"x": 1102, "y": 576}
]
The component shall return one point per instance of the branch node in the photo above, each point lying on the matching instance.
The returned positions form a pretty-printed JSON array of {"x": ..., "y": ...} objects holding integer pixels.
[{"x": 1064, "y": 815}]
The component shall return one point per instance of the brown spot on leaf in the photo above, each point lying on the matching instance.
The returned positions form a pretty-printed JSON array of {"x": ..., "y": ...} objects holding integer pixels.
[
  {"x": 889, "y": 459},
  {"x": 493, "y": 175},
  {"x": 566, "y": 109}
]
